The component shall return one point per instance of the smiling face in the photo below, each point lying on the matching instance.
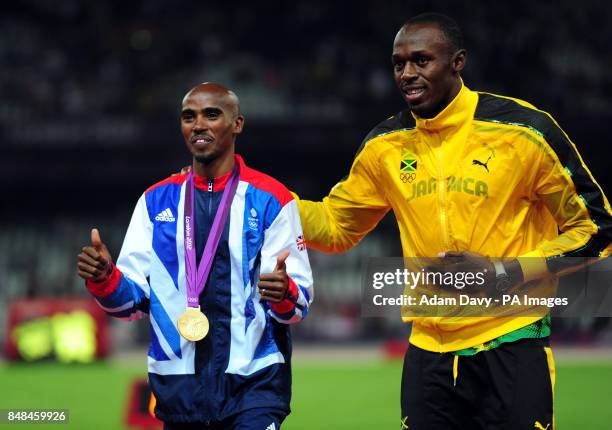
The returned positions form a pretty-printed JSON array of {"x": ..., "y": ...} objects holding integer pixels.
[
  {"x": 426, "y": 68},
  {"x": 210, "y": 120}
]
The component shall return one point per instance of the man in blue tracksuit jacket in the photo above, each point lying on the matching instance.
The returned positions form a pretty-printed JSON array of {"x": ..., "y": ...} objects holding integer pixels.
[{"x": 239, "y": 375}]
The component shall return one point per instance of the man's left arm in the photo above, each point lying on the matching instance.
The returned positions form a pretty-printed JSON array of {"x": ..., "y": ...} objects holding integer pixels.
[
  {"x": 564, "y": 184},
  {"x": 285, "y": 281},
  {"x": 561, "y": 181}
]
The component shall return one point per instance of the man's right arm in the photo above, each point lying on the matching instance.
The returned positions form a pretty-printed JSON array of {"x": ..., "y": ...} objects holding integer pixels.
[
  {"x": 122, "y": 292},
  {"x": 352, "y": 209}
]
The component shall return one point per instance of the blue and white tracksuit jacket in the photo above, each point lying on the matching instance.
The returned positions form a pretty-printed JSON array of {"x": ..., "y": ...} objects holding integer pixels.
[{"x": 244, "y": 361}]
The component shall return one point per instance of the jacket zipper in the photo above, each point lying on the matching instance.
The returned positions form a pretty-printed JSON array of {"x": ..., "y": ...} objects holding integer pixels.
[
  {"x": 209, "y": 373},
  {"x": 442, "y": 200},
  {"x": 210, "y": 190}
]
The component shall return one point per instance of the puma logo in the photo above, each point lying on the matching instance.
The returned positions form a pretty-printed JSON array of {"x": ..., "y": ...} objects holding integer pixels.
[
  {"x": 539, "y": 426},
  {"x": 480, "y": 163}
]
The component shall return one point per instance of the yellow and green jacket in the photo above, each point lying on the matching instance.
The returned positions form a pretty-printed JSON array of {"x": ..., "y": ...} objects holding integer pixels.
[{"x": 489, "y": 174}]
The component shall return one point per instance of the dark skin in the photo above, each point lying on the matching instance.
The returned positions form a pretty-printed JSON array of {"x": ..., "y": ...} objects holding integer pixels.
[
  {"x": 426, "y": 68},
  {"x": 210, "y": 121},
  {"x": 94, "y": 262}
]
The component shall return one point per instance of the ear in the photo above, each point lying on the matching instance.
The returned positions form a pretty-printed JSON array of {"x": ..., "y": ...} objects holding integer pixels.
[
  {"x": 238, "y": 124},
  {"x": 458, "y": 60}
]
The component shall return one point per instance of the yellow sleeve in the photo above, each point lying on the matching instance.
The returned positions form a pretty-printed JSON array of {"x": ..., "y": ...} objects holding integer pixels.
[
  {"x": 353, "y": 207},
  {"x": 565, "y": 185}
]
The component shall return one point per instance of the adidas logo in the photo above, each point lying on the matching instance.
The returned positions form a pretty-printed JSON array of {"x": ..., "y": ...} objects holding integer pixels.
[
  {"x": 165, "y": 215},
  {"x": 271, "y": 427}
]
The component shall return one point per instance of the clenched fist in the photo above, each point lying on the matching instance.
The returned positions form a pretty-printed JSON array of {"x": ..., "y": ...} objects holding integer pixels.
[
  {"x": 94, "y": 261},
  {"x": 273, "y": 286}
]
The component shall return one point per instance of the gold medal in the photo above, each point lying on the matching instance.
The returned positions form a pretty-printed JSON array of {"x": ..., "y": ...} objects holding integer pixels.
[{"x": 193, "y": 324}]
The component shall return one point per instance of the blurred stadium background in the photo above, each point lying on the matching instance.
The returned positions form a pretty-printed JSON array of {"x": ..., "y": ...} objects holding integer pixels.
[{"x": 90, "y": 97}]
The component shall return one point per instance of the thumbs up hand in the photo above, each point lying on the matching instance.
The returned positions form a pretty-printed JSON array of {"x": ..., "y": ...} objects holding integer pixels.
[
  {"x": 94, "y": 261},
  {"x": 273, "y": 286}
]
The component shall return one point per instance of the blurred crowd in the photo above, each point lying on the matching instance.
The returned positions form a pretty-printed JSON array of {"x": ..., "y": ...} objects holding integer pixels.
[{"x": 298, "y": 61}]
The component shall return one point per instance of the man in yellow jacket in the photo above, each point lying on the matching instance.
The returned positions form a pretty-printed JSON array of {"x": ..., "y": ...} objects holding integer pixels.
[{"x": 469, "y": 176}]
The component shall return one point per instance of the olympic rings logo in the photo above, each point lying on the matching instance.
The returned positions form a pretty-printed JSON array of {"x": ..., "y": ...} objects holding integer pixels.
[{"x": 407, "y": 177}]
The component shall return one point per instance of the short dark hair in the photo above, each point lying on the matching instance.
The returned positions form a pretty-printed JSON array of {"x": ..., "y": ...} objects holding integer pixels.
[{"x": 449, "y": 27}]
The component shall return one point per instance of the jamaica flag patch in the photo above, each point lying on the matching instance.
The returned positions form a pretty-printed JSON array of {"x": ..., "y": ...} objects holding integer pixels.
[
  {"x": 408, "y": 167},
  {"x": 408, "y": 163}
]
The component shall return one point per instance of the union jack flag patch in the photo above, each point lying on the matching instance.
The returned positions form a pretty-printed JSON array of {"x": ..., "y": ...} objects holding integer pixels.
[{"x": 300, "y": 242}]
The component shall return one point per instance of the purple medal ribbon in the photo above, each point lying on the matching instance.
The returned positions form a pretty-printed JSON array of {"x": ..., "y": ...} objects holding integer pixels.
[{"x": 196, "y": 281}]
